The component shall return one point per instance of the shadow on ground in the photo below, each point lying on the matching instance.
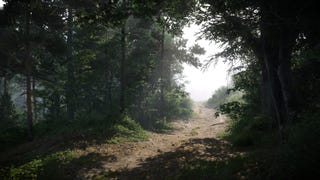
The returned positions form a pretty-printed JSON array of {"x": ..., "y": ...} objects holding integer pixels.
[{"x": 181, "y": 163}]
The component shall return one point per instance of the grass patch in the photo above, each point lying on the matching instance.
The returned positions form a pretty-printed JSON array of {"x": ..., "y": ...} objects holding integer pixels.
[
  {"x": 163, "y": 126},
  {"x": 128, "y": 130},
  {"x": 53, "y": 166},
  {"x": 227, "y": 169},
  {"x": 59, "y": 160},
  {"x": 222, "y": 134},
  {"x": 194, "y": 131}
]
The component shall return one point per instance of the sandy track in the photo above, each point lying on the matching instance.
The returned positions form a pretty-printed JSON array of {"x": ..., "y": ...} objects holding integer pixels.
[{"x": 129, "y": 157}]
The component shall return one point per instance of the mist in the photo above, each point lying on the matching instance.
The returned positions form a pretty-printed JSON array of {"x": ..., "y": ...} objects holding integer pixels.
[{"x": 201, "y": 83}]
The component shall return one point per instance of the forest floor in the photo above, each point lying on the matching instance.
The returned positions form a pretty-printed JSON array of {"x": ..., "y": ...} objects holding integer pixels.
[
  {"x": 191, "y": 144},
  {"x": 164, "y": 155}
]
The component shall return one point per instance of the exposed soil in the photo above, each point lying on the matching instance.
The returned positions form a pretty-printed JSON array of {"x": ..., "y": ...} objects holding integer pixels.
[
  {"x": 162, "y": 156},
  {"x": 167, "y": 153}
]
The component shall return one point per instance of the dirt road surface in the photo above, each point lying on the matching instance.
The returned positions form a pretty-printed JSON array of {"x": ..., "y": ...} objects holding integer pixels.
[{"x": 163, "y": 155}]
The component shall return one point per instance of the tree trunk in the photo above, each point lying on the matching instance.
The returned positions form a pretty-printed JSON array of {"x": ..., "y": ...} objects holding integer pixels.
[
  {"x": 123, "y": 69},
  {"x": 5, "y": 84},
  {"x": 162, "y": 103},
  {"x": 70, "y": 71},
  {"x": 277, "y": 48},
  {"x": 34, "y": 99},
  {"x": 276, "y": 94},
  {"x": 108, "y": 78},
  {"x": 110, "y": 90},
  {"x": 265, "y": 94},
  {"x": 287, "y": 41},
  {"x": 28, "y": 75}
]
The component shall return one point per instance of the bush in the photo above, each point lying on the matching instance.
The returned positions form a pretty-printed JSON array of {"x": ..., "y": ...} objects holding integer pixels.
[
  {"x": 162, "y": 126},
  {"x": 177, "y": 105},
  {"x": 127, "y": 130},
  {"x": 299, "y": 158},
  {"x": 53, "y": 166},
  {"x": 219, "y": 97},
  {"x": 11, "y": 133},
  {"x": 245, "y": 127}
]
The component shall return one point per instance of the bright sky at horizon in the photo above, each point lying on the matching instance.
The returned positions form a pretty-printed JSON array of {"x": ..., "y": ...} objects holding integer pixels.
[
  {"x": 1, "y": 4},
  {"x": 202, "y": 84}
]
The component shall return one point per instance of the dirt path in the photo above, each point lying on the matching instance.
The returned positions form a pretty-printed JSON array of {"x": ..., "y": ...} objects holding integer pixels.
[{"x": 195, "y": 138}]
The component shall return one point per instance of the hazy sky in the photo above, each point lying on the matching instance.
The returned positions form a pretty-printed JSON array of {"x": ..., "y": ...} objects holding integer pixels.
[
  {"x": 1, "y": 4},
  {"x": 202, "y": 84}
]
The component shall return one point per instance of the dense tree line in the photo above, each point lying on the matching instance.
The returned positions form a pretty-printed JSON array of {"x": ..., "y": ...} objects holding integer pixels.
[
  {"x": 277, "y": 43},
  {"x": 265, "y": 35},
  {"x": 106, "y": 61},
  {"x": 74, "y": 60}
]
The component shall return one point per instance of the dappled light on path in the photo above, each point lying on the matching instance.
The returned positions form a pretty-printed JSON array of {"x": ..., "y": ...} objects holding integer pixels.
[
  {"x": 164, "y": 155},
  {"x": 170, "y": 164}
]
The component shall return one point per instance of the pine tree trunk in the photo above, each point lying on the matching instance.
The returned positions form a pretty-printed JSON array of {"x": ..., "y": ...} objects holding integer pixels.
[
  {"x": 123, "y": 69},
  {"x": 70, "y": 71},
  {"x": 110, "y": 90},
  {"x": 5, "y": 84},
  {"x": 109, "y": 79},
  {"x": 28, "y": 76},
  {"x": 162, "y": 103},
  {"x": 34, "y": 99}
]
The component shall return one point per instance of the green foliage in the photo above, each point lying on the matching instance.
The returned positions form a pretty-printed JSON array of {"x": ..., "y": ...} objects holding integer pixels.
[
  {"x": 213, "y": 170},
  {"x": 162, "y": 126},
  {"x": 219, "y": 97},
  {"x": 127, "y": 130},
  {"x": 178, "y": 104},
  {"x": 244, "y": 126},
  {"x": 247, "y": 124},
  {"x": 194, "y": 131},
  {"x": 103, "y": 128},
  {"x": 7, "y": 110},
  {"x": 11, "y": 132},
  {"x": 77, "y": 73},
  {"x": 51, "y": 166},
  {"x": 299, "y": 158},
  {"x": 225, "y": 95}
]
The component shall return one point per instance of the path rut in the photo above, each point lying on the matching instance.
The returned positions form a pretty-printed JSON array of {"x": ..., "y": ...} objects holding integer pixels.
[{"x": 192, "y": 138}]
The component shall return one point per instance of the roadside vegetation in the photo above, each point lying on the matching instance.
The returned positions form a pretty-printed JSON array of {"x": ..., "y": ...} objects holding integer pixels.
[{"x": 77, "y": 73}]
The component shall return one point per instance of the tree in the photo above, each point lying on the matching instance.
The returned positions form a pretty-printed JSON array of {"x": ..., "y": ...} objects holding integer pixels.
[
  {"x": 70, "y": 100},
  {"x": 266, "y": 30},
  {"x": 28, "y": 72}
]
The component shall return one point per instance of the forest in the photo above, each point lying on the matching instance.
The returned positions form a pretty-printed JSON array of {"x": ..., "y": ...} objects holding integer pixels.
[{"x": 93, "y": 89}]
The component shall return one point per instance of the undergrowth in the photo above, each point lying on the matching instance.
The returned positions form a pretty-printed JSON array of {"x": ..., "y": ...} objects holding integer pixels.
[
  {"x": 51, "y": 166},
  {"x": 162, "y": 126},
  {"x": 226, "y": 169},
  {"x": 127, "y": 130},
  {"x": 297, "y": 158},
  {"x": 62, "y": 162}
]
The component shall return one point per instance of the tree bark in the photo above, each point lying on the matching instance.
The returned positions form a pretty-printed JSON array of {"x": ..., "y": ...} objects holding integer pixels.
[
  {"x": 123, "y": 69},
  {"x": 110, "y": 90},
  {"x": 34, "y": 99},
  {"x": 265, "y": 94},
  {"x": 287, "y": 41},
  {"x": 278, "y": 41},
  {"x": 28, "y": 75},
  {"x": 162, "y": 103},
  {"x": 70, "y": 70},
  {"x": 5, "y": 84}
]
